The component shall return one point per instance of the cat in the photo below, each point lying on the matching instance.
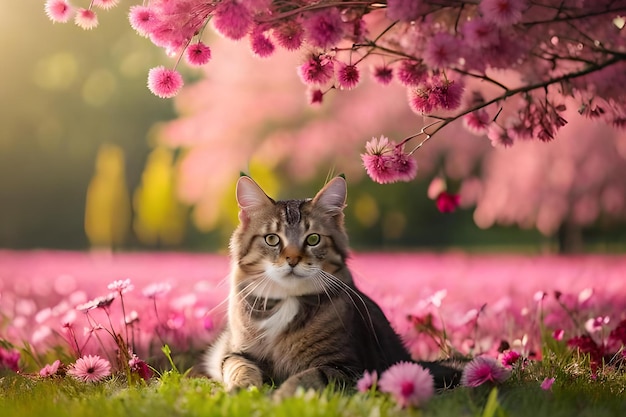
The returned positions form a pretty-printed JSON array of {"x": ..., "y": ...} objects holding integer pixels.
[{"x": 295, "y": 316}]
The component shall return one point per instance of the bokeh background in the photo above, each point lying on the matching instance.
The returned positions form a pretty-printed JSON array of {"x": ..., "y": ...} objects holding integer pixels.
[{"x": 89, "y": 158}]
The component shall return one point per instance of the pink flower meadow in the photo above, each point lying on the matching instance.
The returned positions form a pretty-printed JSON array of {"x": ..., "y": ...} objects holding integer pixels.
[
  {"x": 90, "y": 368},
  {"x": 483, "y": 369},
  {"x": 408, "y": 383}
]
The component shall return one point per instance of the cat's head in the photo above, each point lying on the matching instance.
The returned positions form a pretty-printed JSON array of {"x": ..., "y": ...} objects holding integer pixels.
[{"x": 289, "y": 247}]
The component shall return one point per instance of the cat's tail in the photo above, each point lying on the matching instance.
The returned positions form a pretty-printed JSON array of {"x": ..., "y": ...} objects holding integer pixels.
[{"x": 447, "y": 373}]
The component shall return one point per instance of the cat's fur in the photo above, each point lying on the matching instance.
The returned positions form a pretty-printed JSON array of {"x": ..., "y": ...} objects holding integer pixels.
[{"x": 295, "y": 316}]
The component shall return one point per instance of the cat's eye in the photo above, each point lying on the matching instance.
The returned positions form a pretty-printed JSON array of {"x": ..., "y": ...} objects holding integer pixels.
[
  {"x": 313, "y": 239},
  {"x": 272, "y": 239}
]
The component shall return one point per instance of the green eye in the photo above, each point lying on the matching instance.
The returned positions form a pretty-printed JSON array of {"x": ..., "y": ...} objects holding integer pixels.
[
  {"x": 313, "y": 239},
  {"x": 272, "y": 239}
]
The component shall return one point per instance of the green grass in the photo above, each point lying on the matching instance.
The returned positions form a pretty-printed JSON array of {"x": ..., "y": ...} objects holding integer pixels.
[{"x": 174, "y": 395}]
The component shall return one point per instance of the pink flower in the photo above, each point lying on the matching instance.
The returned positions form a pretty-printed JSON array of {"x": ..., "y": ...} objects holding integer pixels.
[
  {"x": 502, "y": 12},
  {"x": 59, "y": 11},
  {"x": 405, "y": 10},
  {"x": 405, "y": 166},
  {"x": 324, "y": 28},
  {"x": 442, "y": 51},
  {"x": 436, "y": 187},
  {"x": 411, "y": 73},
  {"x": 547, "y": 384},
  {"x": 86, "y": 19},
  {"x": 347, "y": 76},
  {"x": 477, "y": 121},
  {"x": 367, "y": 381},
  {"x": 121, "y": 286},
  {"x": 510, "y": 358},
  {"x": 50, "y": 370},
  {"x": 140, "y": 367},
  {"x": 198, "y": 54},
  {"x": 445, "y": 94},
  {"x": 143, "y": 19},
  {"x": 99, "y": 302},
  {"x": 483, "y": 369},
  {"x": 558, "y": 334},
  {"x": 232, "y": 19},
  {"x": 164, "y": 82},
  {"x": 499, "y": 136},
  {"x": 317, "y": 70},
  {"x": 479, "y": 33},
  {"x": 289, "y": 35},
  {"x": 419, "y": 99},
  {"x": 595, "y": 324},
  {"x": 9, "y": 359},
  {"x": 408, "y": 383},
  {"x": 385, "y": 162},
  {"x": 447, "y": 203},
  {"x": 105, "y": 4},
  {"x": 156, "y": 290},
  {"x": 316, "y": 96},
  {"x": 382, "y": 74},
  {"x": 90, "y": 368},
  {"x": 261, "y": 45}
]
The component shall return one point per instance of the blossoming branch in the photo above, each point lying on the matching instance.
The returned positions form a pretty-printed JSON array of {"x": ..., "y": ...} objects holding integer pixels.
[{"x": 449, "y": 55}]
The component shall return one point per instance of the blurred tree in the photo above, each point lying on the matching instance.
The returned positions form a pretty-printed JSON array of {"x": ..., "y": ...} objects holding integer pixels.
[
  {"x": 107, "y": 209},
  {"x": 159, "y": 217}
]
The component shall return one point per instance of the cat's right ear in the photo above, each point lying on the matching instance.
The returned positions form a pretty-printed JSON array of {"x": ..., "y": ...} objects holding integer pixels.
[{"x": 250, "y": 197}]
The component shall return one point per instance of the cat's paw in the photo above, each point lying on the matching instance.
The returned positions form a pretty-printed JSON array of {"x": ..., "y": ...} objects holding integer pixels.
[{"x": 243, "y": 376}]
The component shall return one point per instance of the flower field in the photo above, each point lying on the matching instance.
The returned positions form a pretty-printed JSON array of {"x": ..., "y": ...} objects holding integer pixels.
[{"x": 63, "y": 305}]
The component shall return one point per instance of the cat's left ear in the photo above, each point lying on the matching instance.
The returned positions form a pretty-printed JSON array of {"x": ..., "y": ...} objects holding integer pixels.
[{"x": 332, "y": 198}]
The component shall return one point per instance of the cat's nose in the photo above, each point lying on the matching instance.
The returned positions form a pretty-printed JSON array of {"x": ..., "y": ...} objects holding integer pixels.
[{"x": 293, "y": 260}]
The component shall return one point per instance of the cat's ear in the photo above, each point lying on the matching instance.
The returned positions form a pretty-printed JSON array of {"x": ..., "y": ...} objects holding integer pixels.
[
  {"x": 332, "y": 198},
  {"x": 250, "y": 196}
]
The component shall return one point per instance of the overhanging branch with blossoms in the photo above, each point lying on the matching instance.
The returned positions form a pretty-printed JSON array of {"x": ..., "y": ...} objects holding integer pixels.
[{"x": 456, "y": 59}]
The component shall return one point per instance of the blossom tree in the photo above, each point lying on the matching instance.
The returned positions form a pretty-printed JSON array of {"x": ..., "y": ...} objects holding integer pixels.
[
  {"x": 513, "y": 70},
  {"x": 437, "y": 50}
]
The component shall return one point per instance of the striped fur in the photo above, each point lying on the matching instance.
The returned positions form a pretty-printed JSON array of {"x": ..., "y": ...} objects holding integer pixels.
[{"x": 295, "y": 317}]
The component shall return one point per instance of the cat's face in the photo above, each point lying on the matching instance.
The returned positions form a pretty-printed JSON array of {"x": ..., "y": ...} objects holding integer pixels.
[{"x": 292, "y": 247}]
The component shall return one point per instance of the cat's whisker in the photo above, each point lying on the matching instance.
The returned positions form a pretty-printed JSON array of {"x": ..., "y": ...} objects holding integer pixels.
[
  {"x": 318, "y": 280},
  {"x": 349, "y": 291}
]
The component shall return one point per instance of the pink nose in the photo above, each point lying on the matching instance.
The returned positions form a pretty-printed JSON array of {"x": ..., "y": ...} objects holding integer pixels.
[{"x": 293, "y": 260}]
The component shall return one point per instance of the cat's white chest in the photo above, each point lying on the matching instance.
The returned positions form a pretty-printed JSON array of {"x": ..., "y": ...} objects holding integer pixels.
[{"x": 278, "y": 322}]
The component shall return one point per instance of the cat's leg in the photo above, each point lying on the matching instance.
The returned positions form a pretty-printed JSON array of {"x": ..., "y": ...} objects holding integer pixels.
[
  {"x": 315, "y": 378},
  {"x": 232, "y": 369},
  {"x": 240, "y": 372}
]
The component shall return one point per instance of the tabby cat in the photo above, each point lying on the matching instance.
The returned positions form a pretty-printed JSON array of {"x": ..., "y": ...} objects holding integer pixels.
[{"x": 295, "y": 316}]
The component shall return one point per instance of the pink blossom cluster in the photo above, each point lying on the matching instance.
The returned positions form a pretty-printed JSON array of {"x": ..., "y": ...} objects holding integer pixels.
[{"x": 436, "y": 51}]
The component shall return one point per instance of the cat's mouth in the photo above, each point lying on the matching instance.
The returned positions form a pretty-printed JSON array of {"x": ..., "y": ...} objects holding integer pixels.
[{"x": 293, "y": 273}]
